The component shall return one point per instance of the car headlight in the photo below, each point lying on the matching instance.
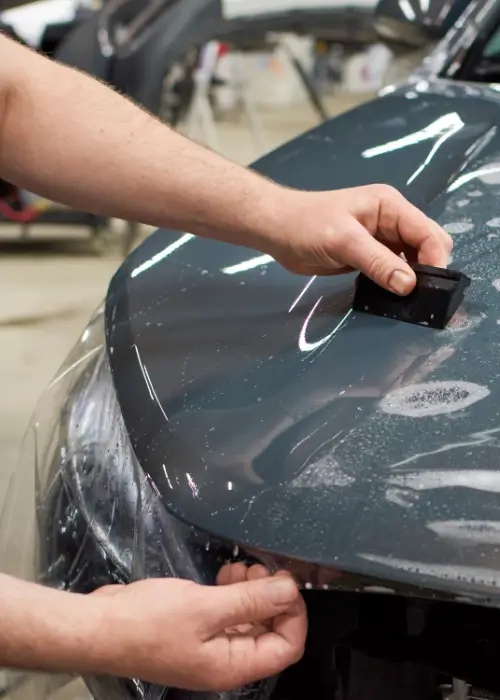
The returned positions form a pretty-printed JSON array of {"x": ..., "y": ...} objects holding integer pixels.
[{"x": 80, "y": 513}]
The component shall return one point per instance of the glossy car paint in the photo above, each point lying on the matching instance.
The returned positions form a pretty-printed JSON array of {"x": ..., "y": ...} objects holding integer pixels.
[
  {"x": 415, "y": 23},
  {"x": 266, "y": 412}
]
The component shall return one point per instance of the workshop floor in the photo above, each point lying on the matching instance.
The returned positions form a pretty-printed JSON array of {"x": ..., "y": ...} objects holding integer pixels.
[{"x": 49, "y": 290}]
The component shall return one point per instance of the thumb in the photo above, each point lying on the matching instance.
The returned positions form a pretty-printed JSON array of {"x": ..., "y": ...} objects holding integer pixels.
[
  {"x": 111, "y": 589},
  {"x": 363, "y": 252},
  {"x": 251, "y": 601}
]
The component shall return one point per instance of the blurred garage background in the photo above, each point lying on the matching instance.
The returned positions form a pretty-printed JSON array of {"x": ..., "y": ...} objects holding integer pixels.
[
  {"x": 276, "y": 74},
  {"x": 239, "y": 76}
]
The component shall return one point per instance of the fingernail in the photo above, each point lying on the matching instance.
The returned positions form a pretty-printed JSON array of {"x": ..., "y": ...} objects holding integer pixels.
[
  {"x": 401, "y": 282},
  {"x": 281, "y": 590}
]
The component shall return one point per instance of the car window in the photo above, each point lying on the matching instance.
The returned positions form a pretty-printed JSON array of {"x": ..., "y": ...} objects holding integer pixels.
[
  {"x": 124, "y": 25},
  {"x": 492, "y": 48},
  {"x": 482, "y": 62}
]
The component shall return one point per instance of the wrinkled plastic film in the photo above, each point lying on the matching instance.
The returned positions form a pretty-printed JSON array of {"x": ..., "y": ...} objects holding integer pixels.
[
  {"x": 20, "y": 533},
  {"x": 81, "y": 514}
]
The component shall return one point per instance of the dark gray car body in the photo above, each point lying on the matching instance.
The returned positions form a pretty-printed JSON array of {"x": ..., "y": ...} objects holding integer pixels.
[
  {"x": 269, "y": 414},
  {"x": 221, "y": 409}
]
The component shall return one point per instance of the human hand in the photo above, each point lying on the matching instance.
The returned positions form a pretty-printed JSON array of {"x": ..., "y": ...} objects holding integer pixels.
[
  {"x": 176, "y": 633},
  {"x": 363, "y": 228}
]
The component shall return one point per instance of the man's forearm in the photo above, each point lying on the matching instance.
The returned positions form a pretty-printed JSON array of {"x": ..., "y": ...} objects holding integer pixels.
[
  {"x": 46, "y": 630},
  {"x": 71, "y": 139}
]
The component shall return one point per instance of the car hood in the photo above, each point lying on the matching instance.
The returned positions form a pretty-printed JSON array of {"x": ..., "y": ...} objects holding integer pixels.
[{"x": 267, "y": 412}]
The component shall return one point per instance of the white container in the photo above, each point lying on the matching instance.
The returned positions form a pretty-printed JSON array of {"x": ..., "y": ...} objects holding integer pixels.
[{"x": 272, "y": 78}]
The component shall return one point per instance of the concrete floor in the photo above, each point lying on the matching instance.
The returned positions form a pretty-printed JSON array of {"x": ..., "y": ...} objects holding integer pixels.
[
  {"x": 46, "y": 298},
  {"x": 50, "y": 286}
]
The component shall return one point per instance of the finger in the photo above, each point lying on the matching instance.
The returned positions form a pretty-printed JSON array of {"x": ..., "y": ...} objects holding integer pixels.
[
  {"x": 399, "y": 218},
  {"x": 315, "y": 271},
  {"x": 112, "y": 589},
  {"x": 270, "y": 653},
  {"x": 363, "y": 252},
  {"x": 232, "y": 573},
  {"x": 222, "y": 578},
  {"x": 238, "y": 573},
  {"x": 299, "y": 268},
  {"x": 257, "y": 572},
  {"x": 249, "y": 630},
  {"x": 403, "y": 250},
  {"x": 292, "y": 625},
  {"x": 248, "y": 602}
]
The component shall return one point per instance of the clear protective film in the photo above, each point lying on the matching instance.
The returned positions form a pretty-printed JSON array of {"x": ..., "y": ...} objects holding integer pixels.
[{"x": 81, "y": 514}]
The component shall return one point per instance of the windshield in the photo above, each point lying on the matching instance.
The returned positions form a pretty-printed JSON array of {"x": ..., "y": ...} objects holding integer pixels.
[
  {"x": 479, "y": 62},
  {"x": 125, "y": 24},
  {"x": 485, "y": 65}
]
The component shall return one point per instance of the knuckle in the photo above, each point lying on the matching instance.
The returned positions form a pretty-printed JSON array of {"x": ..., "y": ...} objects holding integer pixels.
[
  {"x": 295, "y": 654},
  {"x": 344, "y": 240},
  {"x": 299, "y": 653},
  {"x": 377, "y": 270},
  {"x": 448, "y": 241},
  {"x": 350, "y": 239},
  {"x": 198, "y": 604},
  {"x": 384, "y": 191},
  {"x": 248, "y": 603}
]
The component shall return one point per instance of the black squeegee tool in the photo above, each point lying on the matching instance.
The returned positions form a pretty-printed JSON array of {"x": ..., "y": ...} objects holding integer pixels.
[{"x": 435, "y": 298}]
